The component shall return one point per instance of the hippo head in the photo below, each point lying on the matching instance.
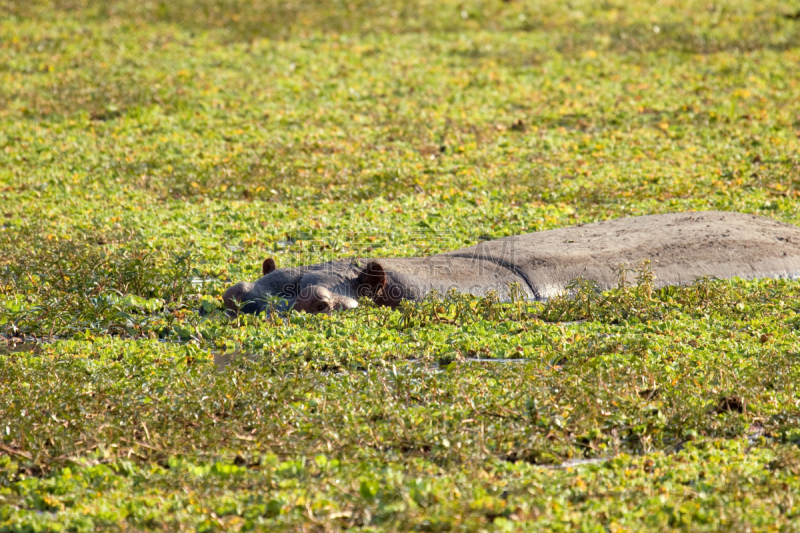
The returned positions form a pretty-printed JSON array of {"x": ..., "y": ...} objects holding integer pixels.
[{"x": 321, "y": 288}]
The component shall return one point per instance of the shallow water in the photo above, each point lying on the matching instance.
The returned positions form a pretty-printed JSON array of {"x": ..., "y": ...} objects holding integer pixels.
[
  {"x": 21, "y": 347},
  {"x": 221, "y": 360},
  {"x": 491, "y": 360},
  {"x": 573, "y": 463},
  {"x": 204, "y": 281}
]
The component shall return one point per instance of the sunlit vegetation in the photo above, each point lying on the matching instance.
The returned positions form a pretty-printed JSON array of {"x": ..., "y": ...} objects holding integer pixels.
[{"x": 153, "y": 153}]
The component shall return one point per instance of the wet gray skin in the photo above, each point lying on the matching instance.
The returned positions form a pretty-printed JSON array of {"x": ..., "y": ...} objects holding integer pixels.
[
  {"x": 315, "y": 289},
  {"x": 681, "y": 247},
  {"x": 337, "y": 285}
]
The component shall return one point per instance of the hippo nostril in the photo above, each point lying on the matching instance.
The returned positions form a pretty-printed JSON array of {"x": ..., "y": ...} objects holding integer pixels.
[
  {"x": 234, "y": 296},
  {"x": 251, "y": 308}
]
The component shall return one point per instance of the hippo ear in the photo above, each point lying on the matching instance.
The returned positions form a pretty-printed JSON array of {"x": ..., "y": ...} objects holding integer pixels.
[
  {"x": 371, "y": 280},
  {"x": 267, "y": 266}
]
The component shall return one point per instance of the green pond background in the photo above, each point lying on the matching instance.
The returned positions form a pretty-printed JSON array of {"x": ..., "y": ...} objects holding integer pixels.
[{"x": 153, "y": 153}]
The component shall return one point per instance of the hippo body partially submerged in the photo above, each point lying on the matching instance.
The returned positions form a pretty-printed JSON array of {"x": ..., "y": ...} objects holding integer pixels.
[{"x": 680, "y": 246}]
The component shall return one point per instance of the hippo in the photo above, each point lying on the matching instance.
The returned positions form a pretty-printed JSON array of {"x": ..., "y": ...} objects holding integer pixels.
[{"x": 681, "y": 247}]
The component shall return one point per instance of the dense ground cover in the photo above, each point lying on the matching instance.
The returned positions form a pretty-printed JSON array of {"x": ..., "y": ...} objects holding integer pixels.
[{"x": 151, "y": 153}]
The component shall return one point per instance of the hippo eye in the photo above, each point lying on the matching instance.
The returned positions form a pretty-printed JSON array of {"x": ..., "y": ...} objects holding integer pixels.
[{"x": 320, "y": 307}]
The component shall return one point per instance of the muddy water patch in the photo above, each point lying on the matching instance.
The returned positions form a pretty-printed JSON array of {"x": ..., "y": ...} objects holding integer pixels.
[
  {"x": 10, "y": 348},
  {"x": 499, "y": 360},
  {"x": 575, "y": 463},
  {"x": 222, "y": 360}
]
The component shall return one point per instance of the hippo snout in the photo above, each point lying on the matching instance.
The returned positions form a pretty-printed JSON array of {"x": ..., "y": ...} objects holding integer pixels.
[
  {"x": 333, "y": 287},
  {"x": 320, "y": 300},
  {"x": 235, "y": 296}
]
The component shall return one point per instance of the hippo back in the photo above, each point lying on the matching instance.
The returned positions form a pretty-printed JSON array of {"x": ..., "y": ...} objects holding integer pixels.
[{"x": 680, "y": 246}]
